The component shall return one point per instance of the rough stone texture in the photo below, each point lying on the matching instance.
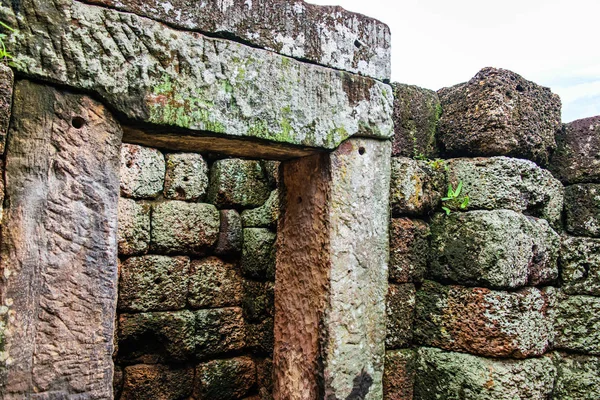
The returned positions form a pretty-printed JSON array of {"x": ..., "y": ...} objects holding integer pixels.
[
  {"x": 59, "y": 247},
  {"x": 186, "y": 177},
  {"x": 484, "y": 322},
  {"x": 237, "y": 183},
  {"x": 271, "y": 169},
  {"x": 157, "y": 382},
  {"x": 154, "y": 73},
  {"x": 576, "y": 159},
  {"x": 258, "y": 253},
  {"x": 180, "y": 227},
  {"x": 582, "y": 209},
  {"x": 577, "y": 377},
  {"x": 224, "y": 379},
  {"x": 118, "y": 382},
  {"x": 134, "y": 227},
  {"x": 264, "y": 377},
  {"x": 219, "y": 331},
  {"x": 229, "y": 243},
  {"x": 417, "y": 186},
  {"x": 142, "y": 171},
  {"x": 214, "y": 283},
  {"x": 416, "y": 115},
  {"x": 400, "y": 309},
  {"x": 498, "y": 249},
  {"x": 508, "y": 183},
  {"x": 153, "y": 283},
  {"x": 409, "y": 249},
  {"x": 578, "y": 324},
  {"x": 580, "y": 265},
  {"x": 156, "y": 337},
  {"x": 6, "y": 95},
  {"x": 2, "y": 190},
  {"x": 445, "y": 375},
  {"x": 399, "y": 375},
  {"x": 258, "y": 300},
  {"x": 265, "y": 216},
  {"x": 498, "y": 113},
  {"x": 259, "y": 336}
]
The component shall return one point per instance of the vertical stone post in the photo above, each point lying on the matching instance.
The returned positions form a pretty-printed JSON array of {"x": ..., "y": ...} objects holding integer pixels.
[{"x": 331, "y": 277}]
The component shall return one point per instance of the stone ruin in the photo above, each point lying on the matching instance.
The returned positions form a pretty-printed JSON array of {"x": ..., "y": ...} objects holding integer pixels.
[{"x": 227, "y": 200}]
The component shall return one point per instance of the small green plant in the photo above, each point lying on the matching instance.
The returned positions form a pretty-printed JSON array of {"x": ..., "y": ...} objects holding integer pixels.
[
  {"x": 420, "y": 157},
  {"x": 5, "y": 56},
  {"x": 438, "y": 164},
  {"x": 454, "y": 200}
]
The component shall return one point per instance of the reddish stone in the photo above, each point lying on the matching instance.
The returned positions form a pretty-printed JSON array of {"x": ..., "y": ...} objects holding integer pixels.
[
  {"x": 409, "y": 248},
  {"x": 157, "y": 382},
  {"x": 399, "y": 375}
]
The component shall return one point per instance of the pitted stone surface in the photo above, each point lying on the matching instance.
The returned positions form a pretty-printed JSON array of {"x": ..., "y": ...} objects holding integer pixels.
[
  {"x": 582, "y": 209},
  {"x": 214, "y": 283},
  {"x": 237, "y": 183},
  {"x": 264, "y": 216},
  {"x": 219, "y": 331},
  {"x": 416, "y": 115},
  {"x": 186, "y": 177},
  {"x": 258, "y": 253},
  {"x": 409, "y": 249},
  {"x": 508, "y": 183},
  {"x": 498, "y": 249},
  {"x": 417, "y": 186},
  {"x": 259, "y": 336},
  {"x": 230, "y": 239},
  {"x": 142, "y": 171},
  {"x": 485, "y": 322},
  {"x": 498, "y": 113},
  {"x": 577, "y": 377},
  {"x": 224, "y": 379},
  {"x": 6, "y": 95},
  {"x": 142, "y": 382},
  {"x": 399, "y": 375},
  {"x": 578, "y": 324},
  {"x": 446, "y": 375},
  {"x": 576, "y": 159},
  {"x": 134, "y": 227},
  {"x": 400, "y": 308},
  {"x": 258, "y": 300},
  {"x": 153, "y": 73},
  {"x": 580, "y": 265}
]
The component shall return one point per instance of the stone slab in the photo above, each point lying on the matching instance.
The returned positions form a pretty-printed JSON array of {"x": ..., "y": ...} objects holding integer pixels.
[
  {"x": 134, "y": 227},
  {"x": 237, "y": 183},
  {"x": 577, "y": 324},
  {"x": 580, "y": 265},
  {"x": 214, "y": 283},
  {"x": 582, "y": 209},
  {"x": 142, "y": 171},
  {"x": 186, "y": 176}
]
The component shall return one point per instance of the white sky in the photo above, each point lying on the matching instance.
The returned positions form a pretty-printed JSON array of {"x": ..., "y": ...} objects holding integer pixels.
[{"x": 437, "y": 43}]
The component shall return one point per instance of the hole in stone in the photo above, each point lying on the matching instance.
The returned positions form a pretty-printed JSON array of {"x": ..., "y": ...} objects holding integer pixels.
[
  {"x": 299, "y": 200},
  {"x": 158, "y": 281},
  {"x": 78, "y": 122},
  {"x": 361, "y": 150},
  {"x": 520, "y": 88},
  {"x": 357, "y": 44}
]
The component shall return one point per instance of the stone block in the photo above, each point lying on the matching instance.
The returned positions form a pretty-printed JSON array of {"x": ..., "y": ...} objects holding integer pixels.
[
  {"x": 265, "y": 216},
  {"x": 186, "y": 176},
  {"x": 142, "y": 171},
  {"x": 399, "y": 374},
  {"x": 237, "y": 183},
  {"x": 227, "y": 379},
  {"x": 258, "y": 253},
  {"x": 497, "y": 249},
  {"x": 6, "y": 95},
  {"x": 259, "y": 336},
  {"x": 577, "y": 324},
  {"x": 577, "y": 377},
  {"x": 582, "y": 209},
  {"x": 400, "y": 308},
  {"x": 264, "y": 377},
  {"x": 157, "y": 382},
  {"x": 576, "y": 159},
  {"x": 271, "y": 169},
  {"x": 156, "y": 337},
  {"x": 133, "y": 234},
  {"x": 416, "y": 187},
  {"x": 153, "y": 283},
  {"x": 483, "y": 321},
  {"x": 499, "y": 113},
  {"x": 446, "y": 375},
  {"x": 219, "y": 331},
  {"x": 409, "y": 249},
  {"x": 229, "y": 243},
  {"x": 258, "y": 300},
  {"x": 416, "y": 115},
  {"x": 180, "y": 227},
  {"x": 508, "y": 183},
  {"x": 214, "y": 283},
  {"x": 580, "y": 265}
]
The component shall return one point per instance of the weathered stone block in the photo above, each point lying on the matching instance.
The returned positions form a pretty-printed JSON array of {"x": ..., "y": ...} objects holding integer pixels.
[
  {"x": 417, "y": 186},
  {"x": 159, "y": 382},
  {"x": 498, "y": 113},
  {"x": 416, "y": 115},
  {"x": 237, "y": 183},
  {"x": 582, "y": 209},
  {"x": 134, "y": 227},
  {"x": 445, "y": 375},
  {"x": 580, "y": 265},
  {"x": 186, "y": 176},
  {"x": 224, "y": 379},
  {"x": 577, "y": 377},
  {"x": 153, "y": 283},
  {"x": 230, "y": 239},
  {"x": 578, "y": 324},
  {"x": 142, "y": 171},
  {"x": 156, "y": 337},
  {"x": 400, "y": 308},
  {"x": 180, "y": 227},
  {"x": 219, "y": 331},
  {"x": 264, "y": 377},
  {"x": 258, "y": 253},
  {"x": 578, "y": 147},
  {"x": 265, "y": 216},
  {"x": 508, "y": 183},
  {"x": 484, "y": 322},
  {"x": 258, "y": 300},
  {"x": 399, "y": 374},
  {"x": 409, "y": 249},
  {"x": 498, "y": 249},
  {"x": 259, "y": 336},
  {"x": 271, "y": 169},
  {"x": 6, "y": 95},
  {"x": 214, "y": 283}
]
